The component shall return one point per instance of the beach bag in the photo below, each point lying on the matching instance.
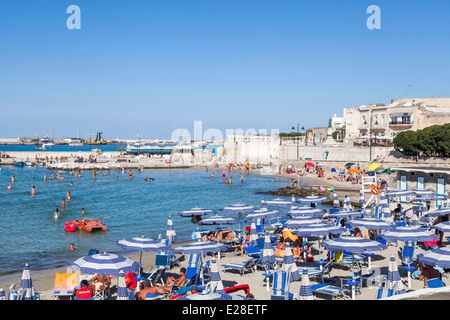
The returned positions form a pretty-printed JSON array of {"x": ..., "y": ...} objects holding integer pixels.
[{"x": 338, "y": 256}]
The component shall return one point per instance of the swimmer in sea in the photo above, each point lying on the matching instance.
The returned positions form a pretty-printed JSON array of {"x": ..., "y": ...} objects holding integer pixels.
[
  {"x": 56, "y": 215},
  {"x": 64, "y": 204},
  {"x": 69, "y": 195},
  {"x": 45, "y": 177},
  {"x": 9, "y": 187},
  {"x": 72, "y": 247},
  {"x": 33, "y": 191},
  {"x": 13, "y": 178},
  {"x": 83, "y": 212}
]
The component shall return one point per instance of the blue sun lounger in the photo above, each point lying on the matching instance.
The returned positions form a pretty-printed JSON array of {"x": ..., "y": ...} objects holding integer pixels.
[{"x": 329, "y": 290}]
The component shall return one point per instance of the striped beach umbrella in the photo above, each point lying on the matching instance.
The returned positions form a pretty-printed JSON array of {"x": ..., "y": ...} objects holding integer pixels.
[
  {"x": 422, "y": 192},
  {"x": 253, "y": 235},
  {"x": 289, "y": 263},
  {"x": 361, "y": 196},
  {"x": 26, "y": 290},
  {"x": 215, "y": 280},
  {"x": 353, "y": 244},
  {"x": 2, "y": 294},
  {"x": 439, "y": 212},
  {"x": 196, "y": 212},
  {"x": 200, "y": 247},
  {"x": 299, "y": 222},
  {"x": 306, "y": 211},
  {"x": 268, "y": 257},
  {"x": 211, "y": 296},
  {"x": 347, "y": 205},
  {"x": 394, "y": 282},
  {"x": 347, "y": 214},
  {"x": 171, "y": 235},
  {"x": 443, "y": 226},
  {"x": 277, "y": 203},
  {"x": 384, "y": 201},
  {"x": 336, "y": 203},
  {"x": 318, "y": 229},
  {"x": 312, "y": 199},
  {"x": 305, "y": 287},
  {"x": 408, "y": 234},
  {"x": 439, "y": 257},
  {"x": 216, "y": 220},
  {"x": 105, "y": 264},
  {"x": 399, "y": 193},
  {"x": 122, "y": 291},
  {"x": 372, "y": 223},
  {"x": 261, "y": 214},
  {"x": 142, "y": 244},
  {"x": 239, "y": 207}
]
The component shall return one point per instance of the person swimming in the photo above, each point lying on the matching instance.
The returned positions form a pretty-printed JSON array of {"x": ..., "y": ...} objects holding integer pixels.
[
  {"x": 56, "y": 215},
  {"x": 64, "y": 204},
  {"x": 33, "y": 191}
]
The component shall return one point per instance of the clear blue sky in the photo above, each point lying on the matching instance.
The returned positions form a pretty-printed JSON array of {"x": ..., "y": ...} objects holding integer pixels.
[{"x": 149, "y": 67}]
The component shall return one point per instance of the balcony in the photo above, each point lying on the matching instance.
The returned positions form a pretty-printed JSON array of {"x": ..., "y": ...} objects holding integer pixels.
[{"x": 403, "y": 124}]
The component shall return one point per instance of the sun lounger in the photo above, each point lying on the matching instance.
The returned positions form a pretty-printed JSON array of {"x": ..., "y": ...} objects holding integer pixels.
[
  {"x": 329, "y": 290},
  {"x": 249, "y": 265},
  {"x": 280, "y": 286}
]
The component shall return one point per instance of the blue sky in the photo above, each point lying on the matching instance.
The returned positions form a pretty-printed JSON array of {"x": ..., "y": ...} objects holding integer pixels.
[{"x": 150, "y": 67}]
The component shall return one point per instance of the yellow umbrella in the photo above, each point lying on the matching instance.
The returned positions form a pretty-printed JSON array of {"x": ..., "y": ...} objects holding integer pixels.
[{"x": 373, "y": 166}]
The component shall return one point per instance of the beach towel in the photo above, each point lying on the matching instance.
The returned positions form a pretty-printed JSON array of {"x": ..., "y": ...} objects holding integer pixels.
[{"x": 66, "y": 281}]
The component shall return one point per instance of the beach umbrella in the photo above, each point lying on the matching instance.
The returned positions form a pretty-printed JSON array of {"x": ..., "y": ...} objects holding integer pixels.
[
  {"x": 422, "y": 192},
  {"x": 26, "y": 290},
  {"x": 216, "y": 220},
  {"x": 333, "y": 170},
  {"x": 105, "y": 264},
  {"x": 261, "y": 214},
  {"x": 443, "y": 226},
  {"x": 439, "y": 212},
  {"x": 289, "y": 263},
  {"x": 398, "y": 193},
  {"x": 305, "y": 287},
  {"x": 196, "y": 212},
  {"x": 439, "y": 257},
  {"x": 268, "y": 257},
  {"x": 408, "y": 234},
  {"x": 336, "y": 203},
  {"x": 312, "y": 199},
  {"x": 361, "y": 196},
  {"x": 318, "y": 229},
  {"x": 372, "y": 173},
  {"x": 353, "y": 171},
  {"x": 278, "y": 203},
  {"x": 203, "y": 247},
  {"x": 353, "y": 245},
  {"x": 394, "y": 282},
  {"x": 300, "y": 221},
  {"x": 239, "y": 207},
  {"x": 211, "y": 296},
  {"x": 122, "y": 290},
  {"x": 349, "y": 164},
  {"x": 171, "y": 235},
  {"x": 216, "y": 284},
  {"x": 2, "y": 294},
  {"x": 306, "y": 211},
  {"x": 373, "y": 166},
  {"x": 309, "y": 164},
  {"x": 253, "y": 235},
  {"x": 384, "y": 201},
  {"x": 143, "y": 244},
  {"x": 372, "y": 223},
  {"x": 346, "y": 214},
  {"x": 388, "y": 170},
  {"x": 347, "y": 205}
]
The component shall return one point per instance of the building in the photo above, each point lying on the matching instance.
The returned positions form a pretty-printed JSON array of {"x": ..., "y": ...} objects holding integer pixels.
[{"x": 383, "y": 122}]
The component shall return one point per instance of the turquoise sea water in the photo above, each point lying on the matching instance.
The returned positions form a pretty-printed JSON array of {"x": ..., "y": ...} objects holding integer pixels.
[{"x": 28, "y": 233}]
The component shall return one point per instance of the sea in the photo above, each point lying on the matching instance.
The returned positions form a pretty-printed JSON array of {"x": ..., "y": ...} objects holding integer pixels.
[
  {"x": 60, "y": 147},
  {"x": 129, "y": 207}
]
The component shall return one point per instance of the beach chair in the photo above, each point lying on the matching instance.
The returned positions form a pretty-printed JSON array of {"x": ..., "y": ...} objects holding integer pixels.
[
  {"x": 65, "y": 284},
  {"x": 347, "y": 260},
  {"x": 435, "y": 283},
  {"x": 316, "y": 271},
  {"x": 356, "y": 276},
  {"x": 407, "y": 254},
  {"x": 280, "y": 286},
  {"x": 249, "y": 265},
  {"x": 193, "y": 269},
  {"x": 328, "y": 290},
  {"x": 162, "y": 263},
  {"x": 153, "y": 296}
]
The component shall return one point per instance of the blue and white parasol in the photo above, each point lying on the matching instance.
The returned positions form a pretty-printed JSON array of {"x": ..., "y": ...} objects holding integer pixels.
[
  {"x": 143, "y": 244},
  {"x": 408, "y": 234},
  {"x": 306, "y": 211},
  {"x": 26, "y": 290},
  {"x": 289, "y": 264},
  {"x": 277, "y": 203},
  {"x": 305, "y": 287},
  {"x": 196, "y": 212},
  {"x": 105, "y": 264},
  {"x": 216, "y": 284},
  {"x": 261, "y": 214},
  {"x": 299, "y": 222},
  {"x": 171, "y": 235},
  {"x": 312, "y": 199},
  {"x": 216, "y": 220},
  {"x": 239, "y": 207},
  {"x": 394, "y": 282},
  {"x": 122, "y": 290},
  {"x": 372, "y": 223},
  {"x": 268, "y": 257},
  {"x": 439, "y": 257}
]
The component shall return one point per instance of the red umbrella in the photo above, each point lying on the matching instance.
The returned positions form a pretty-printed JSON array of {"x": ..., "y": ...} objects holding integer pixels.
[{"x": 309, "y": 164}]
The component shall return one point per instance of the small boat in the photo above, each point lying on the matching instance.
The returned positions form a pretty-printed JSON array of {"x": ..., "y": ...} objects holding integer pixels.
[
  {"x": 90, "y": 224},
  {"x": 41, "y": 148},
  {"x": 19, "y": 164},
  {"x": 29, "y": 163}
]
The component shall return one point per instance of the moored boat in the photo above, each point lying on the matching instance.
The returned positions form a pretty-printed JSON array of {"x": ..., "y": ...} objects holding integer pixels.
[{"x": 90, "y": 224}]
